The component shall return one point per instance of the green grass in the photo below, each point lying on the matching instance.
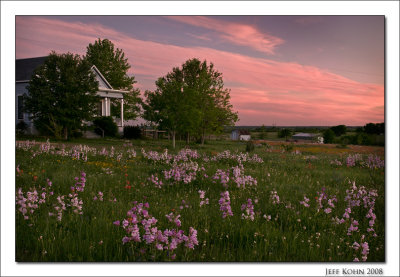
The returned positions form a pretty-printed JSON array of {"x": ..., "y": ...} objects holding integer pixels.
[{"x": 294, "y": 233}]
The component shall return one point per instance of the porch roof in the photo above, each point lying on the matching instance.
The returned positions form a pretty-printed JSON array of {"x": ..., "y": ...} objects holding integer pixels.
[{"x": 111, "y": 93}]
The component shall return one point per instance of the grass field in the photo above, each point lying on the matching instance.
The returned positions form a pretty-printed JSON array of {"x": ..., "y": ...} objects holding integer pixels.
[{"x": 120, "y": 201}]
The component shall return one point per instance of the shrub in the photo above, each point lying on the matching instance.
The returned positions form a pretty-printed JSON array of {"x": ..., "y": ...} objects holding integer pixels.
[
  {"x": 105, "y": 126},
  {"x": 287, "y": 147},
  {"x": 249, "y": 146},
  {"x": 329, "y": 135},
  {"x": 364, "y": 139},
  {"x": 372, "y": 128},
  {"x": 263, "y": 135},
  {"x": 76, "y": 133},
  {"x": 342, "y": 146},
  {"x": 284, "y": 133},
  {"x": 21, "y": 128},
  {"x": 132, "y": 132},
  {"x": 345, "y": 140},
  {"x": 339, "y": 130}
]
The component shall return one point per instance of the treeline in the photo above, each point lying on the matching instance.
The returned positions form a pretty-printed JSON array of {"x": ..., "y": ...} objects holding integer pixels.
[{"x": 369, "y": 134}]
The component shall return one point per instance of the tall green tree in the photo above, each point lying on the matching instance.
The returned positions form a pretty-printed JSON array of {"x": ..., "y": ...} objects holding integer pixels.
[
  {"x": 62, "y": 94},
  {"x": 212, "y": 109},
  {"x": 114, "y": 66},
  {"x": 165, "y": 105},
  {"x": 190, "y": 100}
]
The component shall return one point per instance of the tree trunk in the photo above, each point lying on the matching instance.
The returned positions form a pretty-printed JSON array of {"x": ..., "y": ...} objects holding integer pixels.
[
  {"x": 187, "y": 138},
  {"x": 203, "y": 137},
  {"x": 65, "y": 133},
  {"x": 173, "y": 139}
]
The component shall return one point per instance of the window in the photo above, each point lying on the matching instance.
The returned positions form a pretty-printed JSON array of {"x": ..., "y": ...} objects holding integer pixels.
[
  {"x": 100, "y": 108},
  {"x": 20, "y": 107}
]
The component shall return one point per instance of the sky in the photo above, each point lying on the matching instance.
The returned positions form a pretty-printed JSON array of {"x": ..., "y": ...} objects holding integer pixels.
[{"x": 281, "y": 70}]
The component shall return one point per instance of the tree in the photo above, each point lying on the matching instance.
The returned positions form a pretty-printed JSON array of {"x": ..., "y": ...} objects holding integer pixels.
[
  {"x": 62, "y": 94},
  {"x": 114, "y": 66},
  {"x": 212, "y": 109},
  {"x": 372, "y": 128},
  {"x": 328, "y": 136},
  {"x": 262, "y": 130},
  {"x": 284, "y": 133},
  {"x": 164, "y": 106},
  {"x": 190, "y": 100},
  {"x": 339, "y": 130},
  {"x": 359, "y": 130}
]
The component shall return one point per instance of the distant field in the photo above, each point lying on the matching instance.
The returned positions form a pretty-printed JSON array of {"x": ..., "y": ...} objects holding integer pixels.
[{"x": 311, "y": 203}]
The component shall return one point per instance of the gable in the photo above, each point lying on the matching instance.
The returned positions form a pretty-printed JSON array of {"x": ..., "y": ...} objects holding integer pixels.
[{"x": 103, "y": 84}]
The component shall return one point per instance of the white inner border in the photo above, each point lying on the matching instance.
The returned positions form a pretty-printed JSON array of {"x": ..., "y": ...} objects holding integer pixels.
[{"x": 10, "y": 9}]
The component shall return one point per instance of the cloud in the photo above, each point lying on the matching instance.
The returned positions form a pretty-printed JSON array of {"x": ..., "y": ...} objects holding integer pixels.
[
  {"x": 262, "y": 90},
  {"x": 240, "y": 34},
  {"x": 200, "y": 37}
]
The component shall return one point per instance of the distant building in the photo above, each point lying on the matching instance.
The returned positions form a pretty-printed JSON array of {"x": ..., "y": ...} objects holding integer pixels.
[
  {"x": 240, "y": 135},
  {"x": 305, "y": 136},
  {"x": 308, "y": 137}
]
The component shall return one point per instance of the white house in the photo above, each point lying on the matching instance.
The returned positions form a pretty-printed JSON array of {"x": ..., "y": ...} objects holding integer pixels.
[{"x": 24, "y": 69}]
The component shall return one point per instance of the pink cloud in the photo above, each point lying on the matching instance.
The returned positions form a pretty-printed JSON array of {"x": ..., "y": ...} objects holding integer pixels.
[
  {"x": 200, "y": 37},
  {"x": 236, "y": 33},
  {"x": 262, "y": 90}
]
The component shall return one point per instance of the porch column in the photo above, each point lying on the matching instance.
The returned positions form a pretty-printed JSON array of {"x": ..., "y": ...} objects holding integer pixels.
[
  {"x": 122, "y": 112},
  {"x": 106, "y": 107}
]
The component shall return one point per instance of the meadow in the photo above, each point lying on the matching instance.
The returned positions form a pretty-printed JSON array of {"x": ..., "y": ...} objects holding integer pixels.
[{"x": 141, "y": 201}]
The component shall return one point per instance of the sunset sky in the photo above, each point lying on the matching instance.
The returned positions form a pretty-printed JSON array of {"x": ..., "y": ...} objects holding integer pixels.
[{"x": 283, "y": 70}]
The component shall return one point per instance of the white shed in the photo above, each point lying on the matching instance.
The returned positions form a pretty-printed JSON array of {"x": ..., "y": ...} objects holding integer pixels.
[
  {"x": 240, "y": 135},
  {"x": 245, "y": 137}
]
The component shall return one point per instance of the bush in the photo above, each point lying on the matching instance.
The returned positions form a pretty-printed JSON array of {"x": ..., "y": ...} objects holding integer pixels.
[
  {"x": 339, "y": 130},
  {"x": 132, "y": 132},
  {"x": 21, "y": 128},
  {"x": 107, "y": 125},
  {"x": 284, "y": 133},
  {"x": 329, "y": 135},
  {"x": 372, "y": 128},
  {"x": 345, "y": 140},
  {"x": 287, "y": 147},
  {"x": 363, "y": 139},
  {"x": 263, "y": 135},
  {"x": 249, "y": 146},
  {"x": 76, "y": 133}
]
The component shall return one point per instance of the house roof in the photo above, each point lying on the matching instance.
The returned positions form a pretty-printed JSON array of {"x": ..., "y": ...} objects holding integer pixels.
[
  {"x": 24, "y": 67},
  {"x": 241, "y": 132},
  {"x": 304, "y": 135}
]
